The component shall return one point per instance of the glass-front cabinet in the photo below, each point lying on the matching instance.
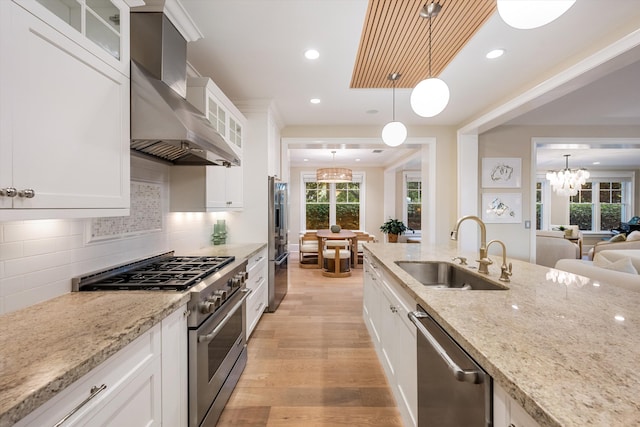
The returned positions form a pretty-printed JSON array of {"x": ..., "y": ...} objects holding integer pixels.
[
  {"x": 207, "y": 97},
  {"x": 101, "y": 26}
]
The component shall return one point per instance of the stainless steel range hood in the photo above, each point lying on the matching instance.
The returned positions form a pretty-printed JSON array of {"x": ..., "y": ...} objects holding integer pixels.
[{"x": 164, "y": 125}]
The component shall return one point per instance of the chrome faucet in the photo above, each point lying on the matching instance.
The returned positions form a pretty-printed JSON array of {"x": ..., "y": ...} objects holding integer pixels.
[
  {"x": 484, "y": 261},
  {"x": 505, "y": 272}
]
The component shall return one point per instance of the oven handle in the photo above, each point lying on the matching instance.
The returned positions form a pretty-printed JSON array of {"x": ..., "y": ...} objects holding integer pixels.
[
  {"x": 460, "y": 374},
  {"x": 225, "y": 319}
]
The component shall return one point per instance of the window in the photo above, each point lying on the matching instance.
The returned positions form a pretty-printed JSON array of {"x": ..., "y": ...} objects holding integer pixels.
[
  {"x": 539, "y": 205},
  {"x": 412, "y": 212},
  {"x": 601, "y": 204},
  {"x": 327, "y": 204},
  {"x": 317, "y": 205},
  {"x": 348, "y": 205}
]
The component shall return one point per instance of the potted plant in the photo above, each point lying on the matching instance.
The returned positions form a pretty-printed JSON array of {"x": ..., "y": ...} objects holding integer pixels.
[
  {"x": 393, "y": 228},
  {"x": 567, "y": 231}
]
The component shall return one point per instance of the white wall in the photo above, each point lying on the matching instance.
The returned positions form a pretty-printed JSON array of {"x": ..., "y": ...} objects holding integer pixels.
[
  {"x": 516, "y": 141},
  {"x": 39, "y": 258}
]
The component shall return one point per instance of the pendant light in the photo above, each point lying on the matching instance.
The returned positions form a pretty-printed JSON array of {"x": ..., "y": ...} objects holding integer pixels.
[
  {"x": 527, "y": 14},
  {"x": 394, "y": 133},
  {"x": 567, "y": 182},
  {"x": 431, "y": 96},
  {"x": 334, "y": 174}
]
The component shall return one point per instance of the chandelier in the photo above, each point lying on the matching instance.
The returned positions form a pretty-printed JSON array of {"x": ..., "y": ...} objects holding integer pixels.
[
  {"x": 431, "y": 96},
  {"x": 334, "y": 174},
  {"x": 567, "y": 182}
]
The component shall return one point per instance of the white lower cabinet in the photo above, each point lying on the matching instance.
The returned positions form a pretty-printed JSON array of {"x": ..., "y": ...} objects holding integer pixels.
[
  {"x": 386, "y": 308},
  {"x": 507, "y": 412},
  {"x": 257, "y": 282},
  {"x": 137, "y": 386},
  {"x": 175, "y": 364}
]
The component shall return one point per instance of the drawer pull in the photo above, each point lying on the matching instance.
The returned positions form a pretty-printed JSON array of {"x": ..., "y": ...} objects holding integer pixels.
[
  {"x": 95, "y": 390},
  {"x": 260, "y": 307}
]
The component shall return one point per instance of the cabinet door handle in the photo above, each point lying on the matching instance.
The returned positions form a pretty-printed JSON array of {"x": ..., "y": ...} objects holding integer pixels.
[
  {"x": 8, "y": 192},
  {"x": 27, "y": 193},
  {"x": 95, "y": 390}
]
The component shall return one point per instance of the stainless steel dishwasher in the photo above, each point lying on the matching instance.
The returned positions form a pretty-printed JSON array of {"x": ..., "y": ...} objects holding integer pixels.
[{"x": 453, "y": 391}]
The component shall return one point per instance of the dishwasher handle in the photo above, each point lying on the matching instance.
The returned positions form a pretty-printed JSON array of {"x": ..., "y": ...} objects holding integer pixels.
[{"x": 462, "y": 375}]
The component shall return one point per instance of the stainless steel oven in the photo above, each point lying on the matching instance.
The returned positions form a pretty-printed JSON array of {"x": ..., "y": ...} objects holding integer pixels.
[
  {"x": 217, "y": 348},
  {"x": 217, "y": 357}
]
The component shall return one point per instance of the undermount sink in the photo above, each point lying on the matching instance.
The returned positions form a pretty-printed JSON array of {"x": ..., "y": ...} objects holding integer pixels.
[{"x": 446, "y": 275}]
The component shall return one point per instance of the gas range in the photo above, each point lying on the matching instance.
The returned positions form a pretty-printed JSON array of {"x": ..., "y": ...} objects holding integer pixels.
[
  {"x": 211, "y": 280},
  {"x": 216, "y": 350}
]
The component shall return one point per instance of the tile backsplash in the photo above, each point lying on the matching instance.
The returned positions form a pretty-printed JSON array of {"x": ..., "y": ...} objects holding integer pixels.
[
  {"x": 145, "y": 214},
  {"x": 39, "y": 258}
]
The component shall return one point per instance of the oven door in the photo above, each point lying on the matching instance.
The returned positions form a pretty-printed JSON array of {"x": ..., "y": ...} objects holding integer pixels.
[{"x": 214, "y": 348}]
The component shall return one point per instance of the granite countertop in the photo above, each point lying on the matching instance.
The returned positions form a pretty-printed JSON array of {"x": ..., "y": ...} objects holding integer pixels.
[
  {"x": 564, "y": 347},
  {"x": 48, "y": 346}
]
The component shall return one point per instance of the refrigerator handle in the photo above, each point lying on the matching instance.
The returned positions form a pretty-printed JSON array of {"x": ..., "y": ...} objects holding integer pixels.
[{"x": 282, "y": 258}]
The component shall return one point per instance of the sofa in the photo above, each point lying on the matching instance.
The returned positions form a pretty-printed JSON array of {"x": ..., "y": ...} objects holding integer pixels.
[
  {"x": 552, "y": 246},
  {"x": 619, "y": 242},
  {"x": 616, "y": 267}
]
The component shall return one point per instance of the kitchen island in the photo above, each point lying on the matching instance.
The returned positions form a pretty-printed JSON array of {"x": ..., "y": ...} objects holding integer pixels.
[{"x": 565, "y": 348}]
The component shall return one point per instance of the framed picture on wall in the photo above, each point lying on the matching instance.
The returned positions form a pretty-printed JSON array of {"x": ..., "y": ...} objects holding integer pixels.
[
  {"x": 501, "y": 172},
  {"x": 502, "y": 207}
]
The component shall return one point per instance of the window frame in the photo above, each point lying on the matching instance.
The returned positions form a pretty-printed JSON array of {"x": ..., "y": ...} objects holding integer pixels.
[
  {"x": 411, "y": 176},
  {"x": 310, "y": 176},
  {"x": 627, "y": 180}
]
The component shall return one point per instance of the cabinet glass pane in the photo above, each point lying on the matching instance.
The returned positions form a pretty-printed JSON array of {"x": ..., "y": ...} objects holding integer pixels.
[
  {"x": 106, "y": 10},
  {"x": 67, "y": 10},
  {"x": 103, "y": 34},
  {"x": 222, "y": 122}
]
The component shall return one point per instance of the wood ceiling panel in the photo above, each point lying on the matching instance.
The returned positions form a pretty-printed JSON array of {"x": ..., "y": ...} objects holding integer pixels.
[{"x": 396, "y": 39}]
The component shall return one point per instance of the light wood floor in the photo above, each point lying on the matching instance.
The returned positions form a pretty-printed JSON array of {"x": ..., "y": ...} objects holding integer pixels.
[{"x": 312, "y": 363}]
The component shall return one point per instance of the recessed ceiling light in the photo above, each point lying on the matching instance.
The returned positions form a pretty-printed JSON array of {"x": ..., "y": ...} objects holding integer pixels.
[
  {"x": 372, "y": 111},
  {"x": 311, "y": 54},
  {"x": 495, "y": 53},
  {"x": 619, "y": 318},
  {"x": 596, "y": 163},
  {"x": 305, "y": 160},
  {"x": 357, "y": 160},
  {"x": 315, "y": 100}
]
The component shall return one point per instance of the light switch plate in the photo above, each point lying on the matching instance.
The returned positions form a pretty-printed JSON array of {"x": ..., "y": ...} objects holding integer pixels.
[{"x": 527, "y": 224}]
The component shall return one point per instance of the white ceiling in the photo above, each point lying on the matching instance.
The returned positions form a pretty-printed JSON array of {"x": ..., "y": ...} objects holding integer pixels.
[{"x": 253, "y": 49}]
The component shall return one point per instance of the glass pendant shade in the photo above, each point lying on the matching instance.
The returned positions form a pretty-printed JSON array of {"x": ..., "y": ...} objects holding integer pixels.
[
  {"x": 527, "y": 14},
  {"x": 567, "y": 182},
  {"x": 430, "y": 97},
  {"x": 394, "y": 133},
  {"x": 334, "y": 175}
]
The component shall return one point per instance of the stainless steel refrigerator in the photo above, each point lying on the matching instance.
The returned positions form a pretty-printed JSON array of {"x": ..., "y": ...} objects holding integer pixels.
[{"x": 278, "y": 236}]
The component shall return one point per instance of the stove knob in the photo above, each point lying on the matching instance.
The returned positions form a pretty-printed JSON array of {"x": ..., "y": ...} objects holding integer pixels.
[
  {"x": 221, "y": 293},
  {"x": 216, "y": 300},
  {"x": 235, "y": 282},
  {"x": 243, "y": 276},
  {"x": 207, "y": 307},
  {"x": 246, "y": 275}
]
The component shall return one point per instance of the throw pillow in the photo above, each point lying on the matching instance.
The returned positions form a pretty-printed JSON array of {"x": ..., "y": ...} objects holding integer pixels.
[
  {"x": 618, "y": 238},
  {"x": 634, "y": 235},
  {"x": 623, "y": 265}
]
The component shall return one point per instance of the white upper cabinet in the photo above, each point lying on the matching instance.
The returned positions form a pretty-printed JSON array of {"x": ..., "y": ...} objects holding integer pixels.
[
  {"x": 211, "y": 188},
  {"x": 203, "y": 93},
  {"x": 64, "y": 121},
  {"x": 100, "y": 26}
]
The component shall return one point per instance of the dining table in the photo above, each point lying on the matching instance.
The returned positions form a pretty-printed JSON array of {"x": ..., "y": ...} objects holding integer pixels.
[{"x": 341, "y": 235}]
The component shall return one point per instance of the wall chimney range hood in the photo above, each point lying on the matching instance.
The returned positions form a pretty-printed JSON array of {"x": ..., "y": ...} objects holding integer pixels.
[{"x": 164, "y": 125}]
